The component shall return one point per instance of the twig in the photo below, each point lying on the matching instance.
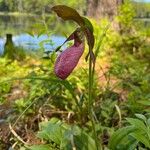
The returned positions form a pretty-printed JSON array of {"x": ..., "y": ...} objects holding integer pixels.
[
  {"x": 16, "y": 135},
  {"x": 13, "y": 146}
]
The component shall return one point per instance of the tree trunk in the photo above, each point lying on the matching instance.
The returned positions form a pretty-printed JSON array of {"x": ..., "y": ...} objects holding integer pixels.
[
  {"x": 103, "y": 8},
  {"x": 9, "y": 48}
]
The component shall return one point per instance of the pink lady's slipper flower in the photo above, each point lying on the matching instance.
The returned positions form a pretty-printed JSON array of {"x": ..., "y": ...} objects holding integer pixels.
[{"x": 69, "y": 58}]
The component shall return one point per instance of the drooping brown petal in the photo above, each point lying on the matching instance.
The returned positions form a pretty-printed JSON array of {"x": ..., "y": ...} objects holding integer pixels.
[
  {"x": 90, "y": 40},
  {"x": 68, "y": 59},
  {"x": 88, "y": 30},
  {"x": 68, "y": 13}
]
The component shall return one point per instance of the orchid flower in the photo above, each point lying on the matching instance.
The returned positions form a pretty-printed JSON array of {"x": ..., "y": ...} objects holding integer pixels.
[{"x": 69, "y": 58}]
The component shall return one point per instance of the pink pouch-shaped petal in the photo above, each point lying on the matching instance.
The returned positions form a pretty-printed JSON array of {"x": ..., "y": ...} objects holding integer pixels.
[{"x": 67, "y": 60}]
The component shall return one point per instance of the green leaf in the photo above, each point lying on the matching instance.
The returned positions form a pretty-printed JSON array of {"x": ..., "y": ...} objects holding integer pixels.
[
  {"x": 58, "y": 48},
  {"x": 118, "y": 136},
  {"x": 48, "y": 41},
  {"x": 81, "y": 139},
  {"x": 141, "y": 138},
  {"x": 64, "y": 135},
  {"x": 148, "y": 121},
  {"x": 144, "y": 102},
  {"x": 68, "y": 13},
  {"x": 41, "y": 32},
  {"x": 131, "y": 144},
  {"x": 30, "y": 33},
  {"x": 138, "y": 124},
  {"x": 140, "y": 116},
  {"x": 51, "y": 132},
  {"x": 127, "y": 143}
]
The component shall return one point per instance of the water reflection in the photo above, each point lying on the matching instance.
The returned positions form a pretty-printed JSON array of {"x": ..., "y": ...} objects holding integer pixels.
[
  {"x": 147, "y": 23},
  {"x": 33, "y": 43},
  {"x": 17, "y": 24},
  {"x": 18, "y": 27}
]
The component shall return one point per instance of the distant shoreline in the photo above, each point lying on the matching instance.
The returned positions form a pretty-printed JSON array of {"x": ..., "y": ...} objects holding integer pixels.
[
  {"x": 46, "y": 14},
  {"x": 21, "y": 14},
  {"x": 142, "y": 18}
]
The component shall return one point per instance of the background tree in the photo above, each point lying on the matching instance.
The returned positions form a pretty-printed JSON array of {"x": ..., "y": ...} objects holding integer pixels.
[{"x": 103, "y": 8}]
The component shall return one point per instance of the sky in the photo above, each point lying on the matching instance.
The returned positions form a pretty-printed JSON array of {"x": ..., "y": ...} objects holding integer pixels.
[
  {"x": 143, "y": 0},
  {"x": 146, "y": 0}
]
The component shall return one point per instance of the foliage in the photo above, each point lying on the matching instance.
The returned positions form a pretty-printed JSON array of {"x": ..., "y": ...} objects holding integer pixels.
[
  {"x": 64, "y": 136},
  {"x": 126, "y": 14},
  {"x": 142, "y": 9},
  {"x": 132, "y": 136},
  {"x": 120, "y": 88},
  {"x": 37, "y": 6}
]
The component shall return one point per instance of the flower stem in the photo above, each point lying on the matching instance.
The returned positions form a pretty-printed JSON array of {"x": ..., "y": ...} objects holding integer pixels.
[{"x": 90, "y": 102}]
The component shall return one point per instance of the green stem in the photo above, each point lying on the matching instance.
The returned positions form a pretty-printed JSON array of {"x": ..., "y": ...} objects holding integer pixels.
[{"x": 90, "y": 103}]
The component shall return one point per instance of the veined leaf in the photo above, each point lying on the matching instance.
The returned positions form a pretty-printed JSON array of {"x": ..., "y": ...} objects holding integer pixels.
[
  {"x": 144, "y": 102},
  {"x": 131, "y": 144},
  {"x": 118, "y": 136},
  {"x": 81, "y": 140},
  {"x": 127, "y": 143},
  {"x": 51, "y": 131},
  {"x": 141, "y": 138},
  {"x": 148, "y": 121},
  {"x": 140, "y": 116},
  {"x": 138, "y": 124}
]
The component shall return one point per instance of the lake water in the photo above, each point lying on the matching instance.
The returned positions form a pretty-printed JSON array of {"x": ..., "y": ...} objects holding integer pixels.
[
  {"x": 29, "y": 42},
  {"x": 19, "y": 26}
]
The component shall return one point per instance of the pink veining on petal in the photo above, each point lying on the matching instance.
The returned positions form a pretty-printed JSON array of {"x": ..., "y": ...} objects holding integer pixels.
[{"x": 67, "y": 60}]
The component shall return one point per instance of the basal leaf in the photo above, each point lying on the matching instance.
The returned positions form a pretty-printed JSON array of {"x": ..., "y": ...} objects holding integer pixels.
[
  {"x": 144, "y": 102},
  {"x": 140, "y": 116},
  {"x": 148, "y": 121},
  {"x": 131, "y": 144},
  {"x": 138, "y": 124},
  {"x": 51, "y": 132},
  {"x": 67, "y": 13},
  {"x": 141, "y": 138},
  {"x": 81, "y": 140},
  {"x": 118, "y": 136}
]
